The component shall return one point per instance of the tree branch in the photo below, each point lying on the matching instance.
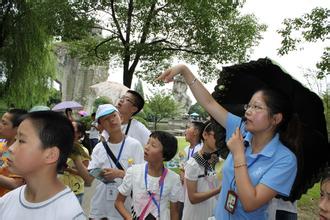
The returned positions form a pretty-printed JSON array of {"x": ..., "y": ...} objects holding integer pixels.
[
  {"x": 99, "y": 45},
  {"x": 183, "y": 50},
  {"x": 129, "y": 20},
  {"x": 116, "y": 22},
  {"x": 106, "y": 29},
  {"x": 145, "y": 31}
]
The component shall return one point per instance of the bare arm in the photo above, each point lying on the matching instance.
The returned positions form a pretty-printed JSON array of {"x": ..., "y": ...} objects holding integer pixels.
[
  {"x": 83, "y": 172},
  {"x": 201, "y": 94},
  {"x": 252, "y": 197},
  {"x": 174, "y": 210},
  {"x": 197, "y": 197},
  {"x": 74, "y": 170},
  {"x": 119, "y": 205}
]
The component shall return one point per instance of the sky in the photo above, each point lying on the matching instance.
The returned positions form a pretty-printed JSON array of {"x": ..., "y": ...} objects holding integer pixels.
[{"x": 272, "y": 13}]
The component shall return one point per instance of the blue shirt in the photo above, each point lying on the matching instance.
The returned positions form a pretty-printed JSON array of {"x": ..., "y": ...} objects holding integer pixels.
[{"x": 274, "y": 166}]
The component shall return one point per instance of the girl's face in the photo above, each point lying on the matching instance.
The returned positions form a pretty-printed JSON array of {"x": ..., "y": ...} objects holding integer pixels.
[
  {"x": 190, "y": 132},
  {"x": 209, "y": 140},
  {"x": 26, "y": 154},
  {"x": 153, "y": 151},
  {"x": 324, "y": 203},
  {"x": 258, "y": 116}
]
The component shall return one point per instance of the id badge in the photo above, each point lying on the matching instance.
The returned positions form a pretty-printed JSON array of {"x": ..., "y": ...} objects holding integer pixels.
[
  {"x": 231, "y": 201},
  {"x": 112, "y": 192}
]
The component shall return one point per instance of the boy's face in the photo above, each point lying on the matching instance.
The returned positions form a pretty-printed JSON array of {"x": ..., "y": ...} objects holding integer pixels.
[
  {"x": 110, "y": 122},
  {"x": 126, "y": 105},
  {"x": 26, "y": 154},
  {"x": 324, "y": 203},
  {"x": 153, "y": 151},
  {"x": 7, "y": 130}
]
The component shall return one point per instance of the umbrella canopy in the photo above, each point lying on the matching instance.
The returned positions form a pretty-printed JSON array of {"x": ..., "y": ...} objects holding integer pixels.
[
  {"x": 83, "y": 113},
  {"x": 238, "y": 83},
  {"x": 67, "y": 104},
  {"x": 110, "y": 89},
  {"x": 194, "y": 114}
]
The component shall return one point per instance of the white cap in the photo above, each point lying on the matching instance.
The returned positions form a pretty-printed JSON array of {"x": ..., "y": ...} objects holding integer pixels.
[{"x": 104, "y": 110}]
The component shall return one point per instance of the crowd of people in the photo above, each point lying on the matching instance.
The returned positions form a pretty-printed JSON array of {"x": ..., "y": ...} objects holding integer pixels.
[{"x": 45, "y": 165}]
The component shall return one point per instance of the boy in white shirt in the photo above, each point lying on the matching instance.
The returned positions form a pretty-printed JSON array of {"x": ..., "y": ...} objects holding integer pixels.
[
  {"x": 125, "y": 149},
  {"x": 43, "y": 143}
]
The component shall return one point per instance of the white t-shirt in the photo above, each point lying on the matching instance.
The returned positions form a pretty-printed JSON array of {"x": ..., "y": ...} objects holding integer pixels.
[
  {"x": 134, "y": 180},
  {"x": 102, "y": 203},
  {"x": 63, "y": 205},
  {"x": 136, "y": 130},
  {"x": 279, "y": 204},
  {"x": 202, "y": 210}
]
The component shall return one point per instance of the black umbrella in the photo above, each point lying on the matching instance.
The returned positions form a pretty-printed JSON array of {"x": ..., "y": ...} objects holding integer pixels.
[{"x": 238, "y": 83}]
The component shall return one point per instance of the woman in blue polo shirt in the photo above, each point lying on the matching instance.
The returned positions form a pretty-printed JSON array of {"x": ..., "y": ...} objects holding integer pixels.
[{"x": 258, "y": 166}]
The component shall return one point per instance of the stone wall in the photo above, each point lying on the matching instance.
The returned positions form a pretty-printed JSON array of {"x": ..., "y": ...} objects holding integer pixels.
[
  {"x": 180, "y": 93},
  {"x": 75, "y": 79}
]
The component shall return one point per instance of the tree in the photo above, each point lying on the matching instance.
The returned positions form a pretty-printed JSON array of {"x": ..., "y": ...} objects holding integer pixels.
[
  {"x": 145, "y": 36},
  {"x": 27, "y": 28},
  {"x": 100, "y": 101},
  {"x": 311, "y": 27},
  {"x": 199, "y": 110},
  {"x": 160, "y": 106}
]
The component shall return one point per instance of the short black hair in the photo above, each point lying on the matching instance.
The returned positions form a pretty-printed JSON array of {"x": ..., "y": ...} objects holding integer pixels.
[
  {"x": 54, "y": 129},
  {"x": 138, "y": 100},
  {"x": 199, "y": 125},
  {"x": 169, "y": 142},
  {"x": 17, "y": 116},
  {"x": 325, "y": 175}
]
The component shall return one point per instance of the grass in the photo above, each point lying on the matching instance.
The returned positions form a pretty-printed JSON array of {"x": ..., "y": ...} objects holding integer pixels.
[
  {"x": 182, "y": 143},
  {"x": 308, "y": 203}
]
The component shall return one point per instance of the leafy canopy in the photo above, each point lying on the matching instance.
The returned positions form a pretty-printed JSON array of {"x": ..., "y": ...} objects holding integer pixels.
[
  {"x": 27, "y": 64},
  {"x": 144, "y": 37},
  {"x": 160, "y": 106},
  {"x": 311, "y": 27}
]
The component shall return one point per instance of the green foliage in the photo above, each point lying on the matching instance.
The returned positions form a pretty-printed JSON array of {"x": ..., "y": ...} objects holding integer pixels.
[
  {"x": 145, "y": 36},
  {"x": 27, "y": 64},
  {"x": 160, "y": 106},
  {"x": 198, "y": 109},
  {"x": 87, "y": 120},
  {"x": 311, "y": 27},
  {"x": 27, "y": 60},
  {"x": 100, "y": 101},
  {"x": 54, "y": 97}
]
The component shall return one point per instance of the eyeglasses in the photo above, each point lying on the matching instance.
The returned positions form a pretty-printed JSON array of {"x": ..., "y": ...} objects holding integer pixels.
[
  {"x": 126, "y": 99},
  {"x": 254, "y": 108}
]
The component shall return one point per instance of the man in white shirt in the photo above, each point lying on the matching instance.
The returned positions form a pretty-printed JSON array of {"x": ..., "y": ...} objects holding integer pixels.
[{"x": 129, "y": 105}]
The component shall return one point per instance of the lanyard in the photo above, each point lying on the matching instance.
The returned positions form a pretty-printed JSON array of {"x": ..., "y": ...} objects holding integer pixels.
[
  {"x": 161, "y": 185},
  {"x": 192, "y": 153},
  {"x": 119, "y": 154},
  {"x": 233, "y": 185}
]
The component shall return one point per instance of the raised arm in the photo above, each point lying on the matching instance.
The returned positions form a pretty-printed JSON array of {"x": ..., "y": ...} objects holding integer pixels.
[{"x": 201, "y": 94}]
